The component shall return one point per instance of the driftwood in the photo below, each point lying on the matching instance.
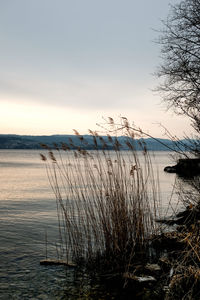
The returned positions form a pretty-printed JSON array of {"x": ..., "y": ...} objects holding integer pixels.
[{"x": 47, "y": 262}]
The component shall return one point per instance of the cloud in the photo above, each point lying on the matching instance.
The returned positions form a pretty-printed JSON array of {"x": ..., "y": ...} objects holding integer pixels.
[
  {"x": 88, "y": 58},
  {"x": 79, "y": 93}
]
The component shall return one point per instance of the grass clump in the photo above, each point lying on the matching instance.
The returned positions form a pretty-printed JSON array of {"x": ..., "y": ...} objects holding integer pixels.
[{"x": 106, "y": 201}]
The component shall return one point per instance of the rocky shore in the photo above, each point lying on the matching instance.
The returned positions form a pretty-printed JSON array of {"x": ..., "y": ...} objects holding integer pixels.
[{"x": 185, "y": 167}]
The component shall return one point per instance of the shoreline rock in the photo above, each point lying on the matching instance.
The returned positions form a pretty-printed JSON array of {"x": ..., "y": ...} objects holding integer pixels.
[{"x": 187, "y": 167}]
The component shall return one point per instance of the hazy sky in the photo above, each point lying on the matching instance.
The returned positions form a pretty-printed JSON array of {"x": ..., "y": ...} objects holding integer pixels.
[{"x": 67, "y": 63}]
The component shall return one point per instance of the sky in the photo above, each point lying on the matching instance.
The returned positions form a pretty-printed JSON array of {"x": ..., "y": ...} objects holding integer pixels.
[{"x": 68, "y": 64}]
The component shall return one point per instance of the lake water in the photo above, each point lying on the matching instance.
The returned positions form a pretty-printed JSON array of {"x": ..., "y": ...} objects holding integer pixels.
[{"x": 27, "y": 211}]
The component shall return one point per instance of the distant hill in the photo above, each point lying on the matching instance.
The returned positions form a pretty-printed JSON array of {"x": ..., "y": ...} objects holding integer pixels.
[{"x": 12, "y": 141}]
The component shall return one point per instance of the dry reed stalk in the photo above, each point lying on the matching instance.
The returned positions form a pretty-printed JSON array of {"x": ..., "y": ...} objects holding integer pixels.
[{"x": 106, "y": 201}]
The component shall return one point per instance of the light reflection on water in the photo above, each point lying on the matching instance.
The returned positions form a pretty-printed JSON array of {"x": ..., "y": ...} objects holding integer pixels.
[{"x": 27, "y": 210}]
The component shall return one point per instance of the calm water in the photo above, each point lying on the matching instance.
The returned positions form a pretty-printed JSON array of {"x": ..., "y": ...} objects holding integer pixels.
[{"x": 27, "y": 211}]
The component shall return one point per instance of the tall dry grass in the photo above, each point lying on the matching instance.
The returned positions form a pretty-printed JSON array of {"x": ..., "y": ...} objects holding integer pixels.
[
  {"x": 107, "y": 202},
  {"x": 185, "y": 282}
]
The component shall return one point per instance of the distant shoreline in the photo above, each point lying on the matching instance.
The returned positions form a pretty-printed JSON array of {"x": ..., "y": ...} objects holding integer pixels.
[{"x": 28, "y": 142}]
